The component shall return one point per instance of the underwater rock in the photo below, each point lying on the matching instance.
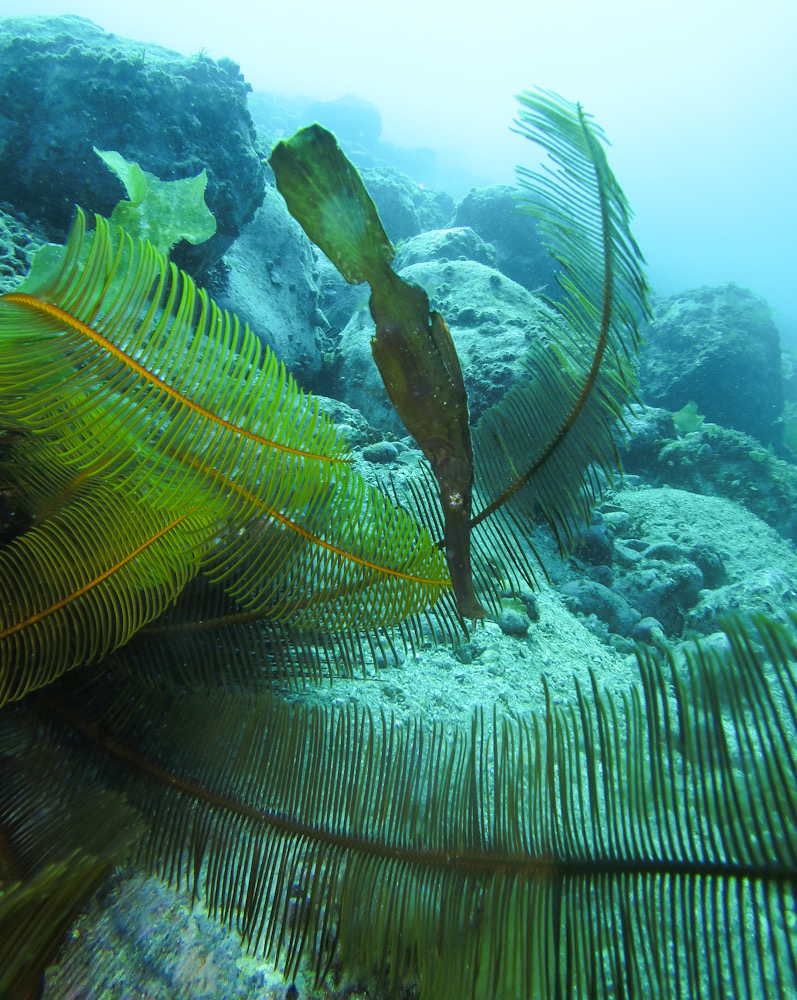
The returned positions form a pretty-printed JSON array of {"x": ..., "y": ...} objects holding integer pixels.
[
  {"x": 595, "y": 545},
  {"x": 492, "y": 212},
  {"x": 720, "y": 348},
  {"x": 356, "y": 122},
  {"x": 657, "y": 567},
  {"x": 715, "y": 461},
  {"x": 272, "y": 283},
  {"x": 405, "y": 208},
  {"x": 649, "y": 428},
  {"x": 18, "y": 243},
  {"x": 766, "y": 591},
  {"x": 67, "y": 85},
  {"x": 663, "y": 591},
  {"x": 277, "y": 115},
  {"x": 338, "y": 300},
  {"x": 529, "y": 602},
  {"x": 593, "y": 598},
  {"x": 710, "y": 563},
  {"x": 460, "y": 243},
  {"x": 686, "y": 558},
  {"x": 380, "y": 452},
  {"x": 511, "y": 621},
  {"x": 492, "y": 320},
  {"x": 348, "y": 421},
  {"x": 649, "y": 630},
  {"x": 139, "y": 937}
]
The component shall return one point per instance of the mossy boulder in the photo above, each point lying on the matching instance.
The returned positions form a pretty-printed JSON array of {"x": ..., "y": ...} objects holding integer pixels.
[
  {"x": 493, "y": 323},
  {"x": 719, "y": 348},
  {"x": 493, "y": 213},
  {"x": 68, "y": 86}
]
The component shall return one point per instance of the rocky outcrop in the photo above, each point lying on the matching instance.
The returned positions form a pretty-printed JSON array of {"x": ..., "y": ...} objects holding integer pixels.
[
  {"x": 720, "y": 348},
  {"x": 493, "y": 322},
  {"x": 492, "y": 212},
  {"x": 405, "y": 208},
  {"x": 460, "y": 243},
  {"x": 676, "y": 562},
  {"x": 714, "y": 461},
  {"x": 272, "y": 283},
  {"x": 66, "y": 86}
]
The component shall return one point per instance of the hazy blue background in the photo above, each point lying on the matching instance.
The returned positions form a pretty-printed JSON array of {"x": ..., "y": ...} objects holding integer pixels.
[{"x": 699, "y": 99}]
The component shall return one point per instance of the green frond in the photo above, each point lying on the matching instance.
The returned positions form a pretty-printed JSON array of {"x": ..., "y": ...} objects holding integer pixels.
[
  {"x": 541, "y": 446},
  {"x": 59, "y": 843},
  {"x": 84, "y": 581},
  {"x": 109, "y": 332},
  {"x": 138, "y": 378},
  {"x": 642, "y": 843},
  {"x": 330, "y": 570}
]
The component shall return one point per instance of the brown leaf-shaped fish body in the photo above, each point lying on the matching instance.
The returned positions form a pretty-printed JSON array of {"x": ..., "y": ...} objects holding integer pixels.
[
  {"x": 412, "y": 348},
  {"x": 418, "y": 362}
]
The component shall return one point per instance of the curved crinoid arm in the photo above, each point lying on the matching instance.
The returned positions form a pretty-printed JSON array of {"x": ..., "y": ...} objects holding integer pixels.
[
  {"x": 635, "y": 843},
  {"x": 200, "y": 454},
  {"x": 542, "y": 445}
]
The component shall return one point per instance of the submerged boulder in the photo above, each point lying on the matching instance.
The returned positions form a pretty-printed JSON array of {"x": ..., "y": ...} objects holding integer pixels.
[
  {"x": 493, "y": 213},
  {"x": 460, "y": 243},
  {"x": 405, "y": 208},
  {"x": 272, "y": 283},
  {"x": 719, "y": 348},
  {"x": 493, "y": 322},
  {"x": 68, "y": 86},
  {"x": 714, "y": 461}
]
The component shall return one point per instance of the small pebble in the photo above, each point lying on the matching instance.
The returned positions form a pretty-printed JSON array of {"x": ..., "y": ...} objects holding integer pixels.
[
  {"x": 380, "y": 452},
  {"x": 512, "y": 622}
]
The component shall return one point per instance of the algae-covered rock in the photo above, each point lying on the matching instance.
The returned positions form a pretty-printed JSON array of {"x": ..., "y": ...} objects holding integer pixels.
[
  {"x": 715, "y": 461},
  {"x": 458, "y": 243},
  {"x": 492, "y": 212},
  {"x": 493, "y": 322},
  {"x": 719, "y": 348},
  {"x": 272, "y": 283},
  {"x": 67, "y": 86}
]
